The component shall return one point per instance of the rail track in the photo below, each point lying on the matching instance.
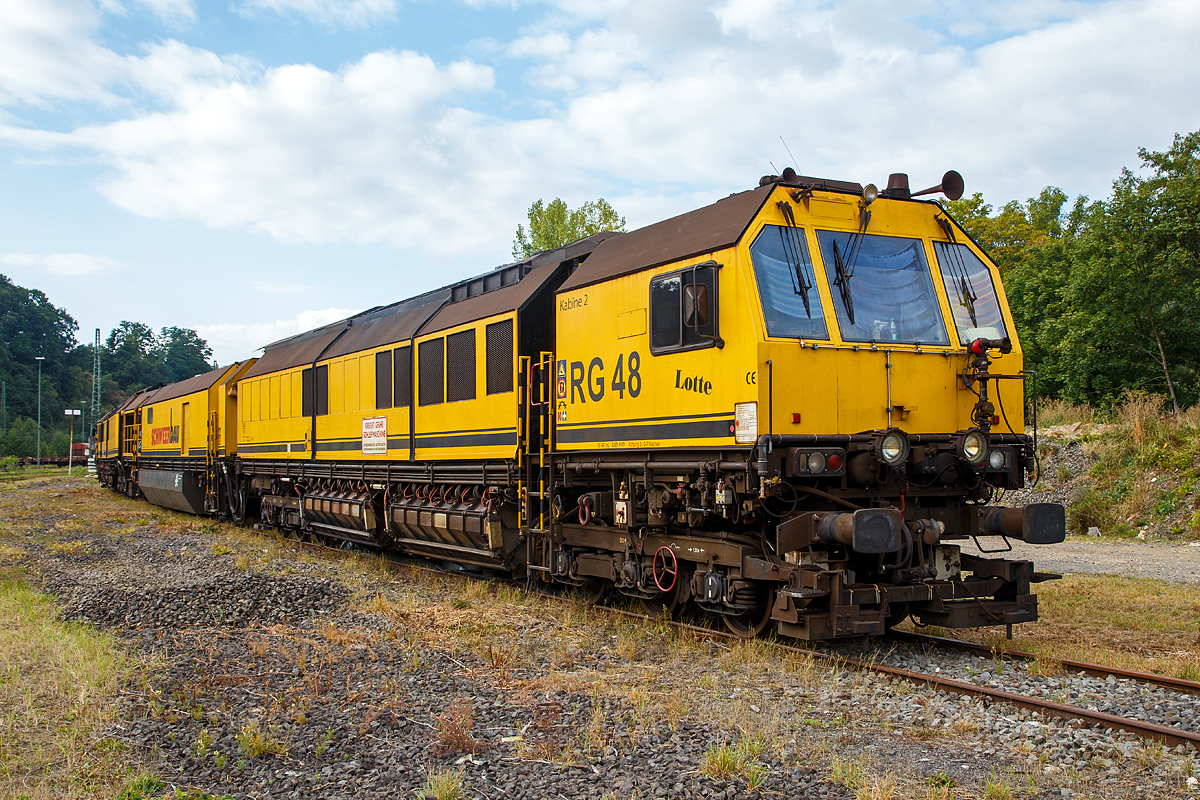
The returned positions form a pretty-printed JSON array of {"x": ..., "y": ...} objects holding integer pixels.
[{"x": 1167, "y": 735}]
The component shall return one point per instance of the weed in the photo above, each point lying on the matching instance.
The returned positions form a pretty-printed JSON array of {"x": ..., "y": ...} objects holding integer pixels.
[
  {"x": 722, "y": 762},
  {"x": 254, "y": 741},
  {"x": 1059, "y": 412},
  {"x": 203, "y": 741},
  {"x": 442, "y": 785},
  {"x": 1148, "y": 754},
  {"x": 141, "y": 788},
  {"x": 996, "y": 787},
  {"x": 940, "y": 779},
  {"x": 879, "y": 787},
  {"x": 737, "y": 759},
  {"x": 847, "y": 772},
  {"x": 220, "y": 760},
  {"x": 454, "y": 730},
  {"x": 1046, "y": 667},
  {"x": 324, "y": 743},
  {"x": 51, "y": 670}
]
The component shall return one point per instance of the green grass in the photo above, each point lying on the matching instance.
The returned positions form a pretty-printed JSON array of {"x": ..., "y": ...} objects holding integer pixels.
[
  {"x": 1144, "y": 473},
  {"x": 58, "y": 682}
]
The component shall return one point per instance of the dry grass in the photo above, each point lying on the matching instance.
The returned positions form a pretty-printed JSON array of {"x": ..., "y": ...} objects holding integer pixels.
[
  {"x": 1059, "y": 412},
  {"x": 1145, "y": 474},
  {"x": 56, "y": 695}
]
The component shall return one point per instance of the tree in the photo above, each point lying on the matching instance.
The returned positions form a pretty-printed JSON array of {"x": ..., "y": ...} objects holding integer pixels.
[
  {"x": 183, "y": 353},
  {"x": 1106, "y": 297},
  {"x": 1017, "y": 231},
  {"x": 555, "y": 225}
]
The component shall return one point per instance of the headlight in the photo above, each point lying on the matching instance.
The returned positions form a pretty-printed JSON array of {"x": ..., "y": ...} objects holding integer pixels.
[
  {"x": 816, "y": 463},
  {"x": 996, "y": 460},
  {"x": 893, "y": 447},
  {"x": 973, "y": 447}
]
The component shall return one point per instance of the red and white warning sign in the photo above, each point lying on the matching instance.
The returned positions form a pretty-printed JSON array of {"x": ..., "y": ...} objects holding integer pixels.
[{"x": 374, "y": 436}]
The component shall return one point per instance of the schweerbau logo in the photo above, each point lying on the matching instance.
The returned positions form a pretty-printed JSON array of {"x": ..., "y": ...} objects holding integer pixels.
[{"x": 168, "y": 434}]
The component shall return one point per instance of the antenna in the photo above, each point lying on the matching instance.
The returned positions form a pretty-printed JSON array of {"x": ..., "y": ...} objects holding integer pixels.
[
  {"x": 774, "y": 168},
  {"x": 789, "y": 151}
]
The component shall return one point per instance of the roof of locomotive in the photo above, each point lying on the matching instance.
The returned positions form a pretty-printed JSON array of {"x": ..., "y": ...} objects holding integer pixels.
[
  {"x": 506, "y": 288},
  {"x": 705, "y": 230},
  {"x": 196, "y": 383}
]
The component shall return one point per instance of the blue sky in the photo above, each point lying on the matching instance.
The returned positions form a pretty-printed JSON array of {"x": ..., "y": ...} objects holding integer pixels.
[{"x": 252, "y": 168}]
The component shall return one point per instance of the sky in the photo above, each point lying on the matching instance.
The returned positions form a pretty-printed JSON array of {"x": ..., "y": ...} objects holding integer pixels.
[{"x": 255, "y": 168}]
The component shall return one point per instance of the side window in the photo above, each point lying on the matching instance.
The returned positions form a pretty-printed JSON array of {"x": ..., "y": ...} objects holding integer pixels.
[
  {"x": 150, "y": 416},
  {"x": 402, "y": 375},
  {"x": 972, "y": 293},
  {"x": 383, "y": 379},
  {"x": 431, "y": 364},
  {"x": 499, "y": 337},
  {"x": 306, "y": 391},
  {"x": 683, "y": 309},
  {"x": 460, "y": 366}
]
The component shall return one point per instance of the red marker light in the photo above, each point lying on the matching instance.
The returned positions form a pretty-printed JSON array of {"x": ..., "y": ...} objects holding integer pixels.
[{"x": 835, "y": 462}]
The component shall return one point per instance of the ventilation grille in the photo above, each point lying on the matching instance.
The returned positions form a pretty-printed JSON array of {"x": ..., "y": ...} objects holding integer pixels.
[
  {"x": 402, "y": 373},
  {"x": 430, "y": 363},
  {"x": 460, "y": 366},
  {"x": 500, "y": 357}
]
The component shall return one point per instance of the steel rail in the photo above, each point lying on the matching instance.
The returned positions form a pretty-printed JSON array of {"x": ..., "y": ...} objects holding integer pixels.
[
  {"x": 1094, "y": 670},
  {"x": 1147, "y": 730}
]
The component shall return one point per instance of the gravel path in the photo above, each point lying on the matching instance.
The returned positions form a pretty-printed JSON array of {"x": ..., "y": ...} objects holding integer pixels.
[{"x": 319, "y": 675}]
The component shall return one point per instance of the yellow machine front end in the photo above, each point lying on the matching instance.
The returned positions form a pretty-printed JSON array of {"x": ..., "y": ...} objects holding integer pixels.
[{"x": 738, "y": 380}]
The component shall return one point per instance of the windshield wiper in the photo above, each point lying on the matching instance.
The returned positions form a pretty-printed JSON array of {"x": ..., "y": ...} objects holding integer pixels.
[
  {"x": 793, "y": 250},
  {"x": 843, "y": 280},
  {"x": 958, "y": 269},
  {"x": 845, "y": 264}
]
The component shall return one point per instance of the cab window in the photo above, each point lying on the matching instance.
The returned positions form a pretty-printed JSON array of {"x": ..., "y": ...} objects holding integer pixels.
[
  {"x": 787, "y": 284},
  {"x": 882, "y": 289},
  {"x": 972, "y": 293},
  {"x": 683, "y": 309}
]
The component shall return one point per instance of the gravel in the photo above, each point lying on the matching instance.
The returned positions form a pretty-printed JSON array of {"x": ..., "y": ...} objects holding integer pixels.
[{"x": 279, "y": 657}]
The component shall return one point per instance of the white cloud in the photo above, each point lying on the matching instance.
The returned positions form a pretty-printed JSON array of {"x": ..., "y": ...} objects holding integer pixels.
[
  {"x": 70, "y": 264},
  {"x": 175, "y": 12},
  {"x": 237, "y": 341},
  {"x": 47, "y": 53},
  {"x": 344, "y": 13},
  {"x": 664, "y": 105}
]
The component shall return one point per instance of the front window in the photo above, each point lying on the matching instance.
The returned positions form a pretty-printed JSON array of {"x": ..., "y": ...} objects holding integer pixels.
[
  {"x": 972, "y": 294},
  {"x": 882, "y": 289},
  {"x": 787, "y": 284}
]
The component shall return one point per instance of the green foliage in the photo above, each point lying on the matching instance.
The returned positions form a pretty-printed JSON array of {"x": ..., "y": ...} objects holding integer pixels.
[
  {"x": 555, "y": 225},
  {"x": 132, "y": 358},
  {"x": 1105, "y": 296}
]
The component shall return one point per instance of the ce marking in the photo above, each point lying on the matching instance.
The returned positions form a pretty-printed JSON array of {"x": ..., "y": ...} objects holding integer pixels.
[{"x": 751, "y": 378}]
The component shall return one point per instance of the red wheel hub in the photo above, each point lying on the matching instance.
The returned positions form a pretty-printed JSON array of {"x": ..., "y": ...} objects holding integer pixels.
[{"x": 664, "y": 569}]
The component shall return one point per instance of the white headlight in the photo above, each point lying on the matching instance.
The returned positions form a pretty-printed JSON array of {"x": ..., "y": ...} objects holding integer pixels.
[
  {"x": 974, "y": 447},
  {"x": 816, "y": 463},
  {"x": 996, "y": 459},
  {"x": 894, "y": 447}
]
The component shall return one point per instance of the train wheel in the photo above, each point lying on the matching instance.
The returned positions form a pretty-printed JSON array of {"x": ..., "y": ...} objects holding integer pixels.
[
  {"x": 594, "y": 592},
  {"x": 751, "y": 623},
  {"x": 897, "y": 613},
  {"x": 668, "y": 604}
]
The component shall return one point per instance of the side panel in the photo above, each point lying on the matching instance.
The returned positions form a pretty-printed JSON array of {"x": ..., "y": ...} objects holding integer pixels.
[{"x": 613, "y": 393}]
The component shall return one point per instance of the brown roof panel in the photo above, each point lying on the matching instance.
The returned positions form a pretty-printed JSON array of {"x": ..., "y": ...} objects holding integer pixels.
[
  {"x": 505, "y": 288},
  {"x": 197, "y": 383},
  {"x": 704, "y": 230}
]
